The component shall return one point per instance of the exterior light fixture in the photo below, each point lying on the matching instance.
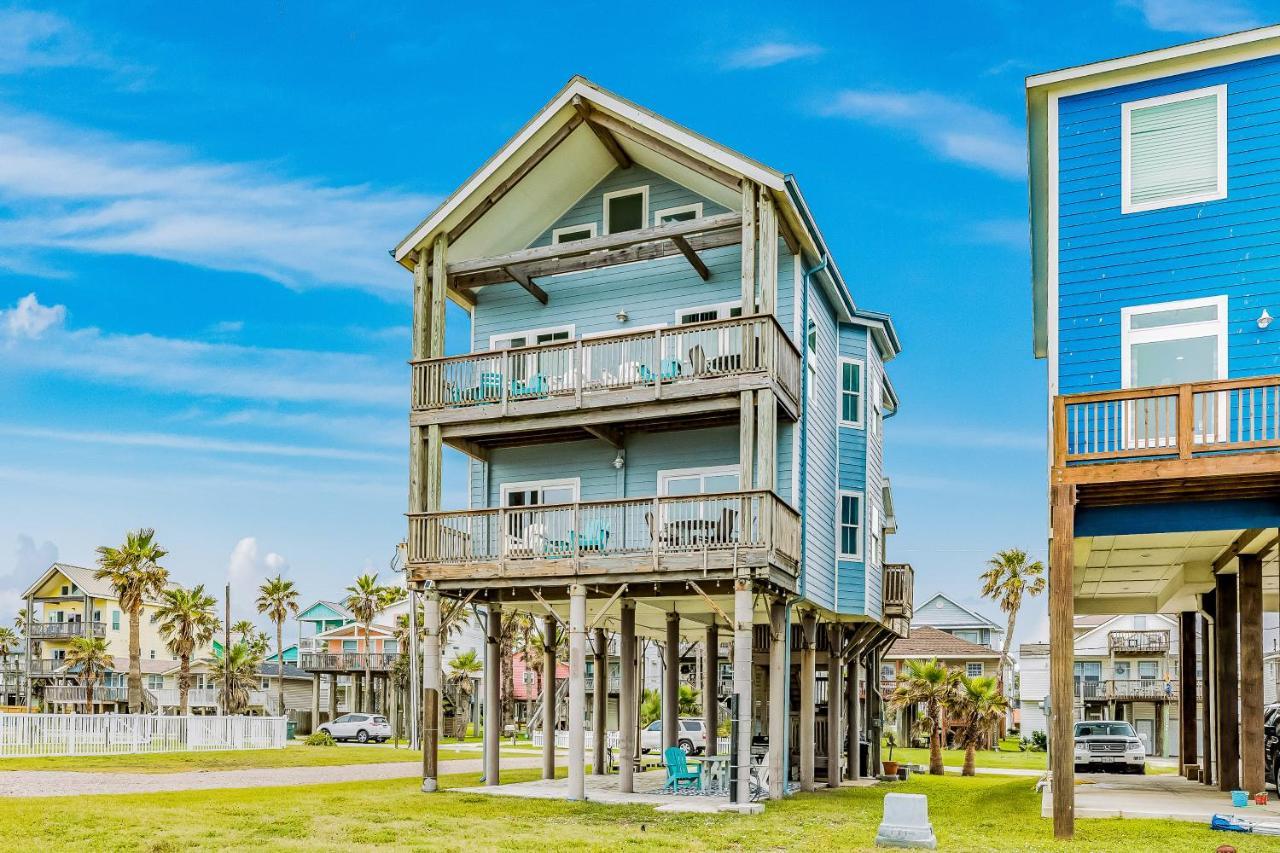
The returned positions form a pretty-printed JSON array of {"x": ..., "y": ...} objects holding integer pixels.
[
  {"x": 621, "y": 315},
  {"x": 1264, "y": 319},
  {"x": 620, "y": 459}
]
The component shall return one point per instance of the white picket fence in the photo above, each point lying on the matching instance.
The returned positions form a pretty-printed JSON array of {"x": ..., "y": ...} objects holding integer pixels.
[
  {"x": 30, "y": 735},
  {"x": 611, "y": 739}
]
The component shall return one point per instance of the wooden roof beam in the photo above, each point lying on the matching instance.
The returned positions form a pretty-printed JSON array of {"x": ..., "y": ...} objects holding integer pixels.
[
  {"x": 666, "y": 149},
  {"x": 1244, "y": 540},
  {"x": 521, "y": 277},
  {"x": 609, "y": 435},
  {"x": 692, "y": 257},
  {"x": 602, "y": 133}
]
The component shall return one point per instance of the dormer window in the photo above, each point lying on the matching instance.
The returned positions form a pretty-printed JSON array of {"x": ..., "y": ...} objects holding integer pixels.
[
  {"x": 626, "y": 210},
  {"x": 1174, "y": 150},
  {"x": 683, "y": 213},
  {"x": 572, "y": 233}
]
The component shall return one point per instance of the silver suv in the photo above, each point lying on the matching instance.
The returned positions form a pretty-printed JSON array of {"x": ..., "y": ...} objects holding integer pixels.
[{"x": 1109, "y": 745}]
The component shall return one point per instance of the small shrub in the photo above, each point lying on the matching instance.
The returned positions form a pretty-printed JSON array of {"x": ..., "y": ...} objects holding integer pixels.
[
  {"x": 320, "y": 739},
  {"x": 1024, "y": 744},
  {"x": 1039, "y": 742}
]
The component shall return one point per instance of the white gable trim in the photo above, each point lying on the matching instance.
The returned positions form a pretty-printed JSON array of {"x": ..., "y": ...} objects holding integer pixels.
[{"x": 978, "y": 616}]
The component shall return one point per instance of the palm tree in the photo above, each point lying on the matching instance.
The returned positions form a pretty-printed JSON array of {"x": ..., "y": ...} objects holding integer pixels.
[
  {"x": 927, "y": 683},
  {"x": 364, "y": 600},
  {"x": 8, "y": 642},
  {"x": 135, "y": 575},
  {"x": 462, "y": 671},
  {"x": 20, "y": 621},
  {"x": 187, "y": 624},
  {"x": 977, "y": 704},
  {"x": 89, "y": 655},
  {"x": 1009, "y": 576},
  {"x": 245, "y": 630},
  {"x": 234, "y": 672},
  {"x": 277, "y": 598}
]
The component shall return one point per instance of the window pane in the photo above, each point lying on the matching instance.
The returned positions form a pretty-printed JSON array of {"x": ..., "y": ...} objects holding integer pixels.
[
  {"x": 1173, "y": 317},
  {"x": 679, "y": 486},
  {"x": 1173, "y": 149},
  {"x": 715, "y": 483},
  {"x": 682, "y": 216},
  {"x": 1172, "y": 362},
  {"x": 571, "y": 236},
  {"x": 851, "y": 378},
  {"x": 849, "y": 509},
  {"x": 626, "y": 213}
]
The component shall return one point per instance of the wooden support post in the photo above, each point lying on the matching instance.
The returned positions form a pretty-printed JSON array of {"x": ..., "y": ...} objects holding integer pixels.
[
  {"x": 749, "y": 229},
  {"x": 1226, "y": 637},
  {"x": 548, "y": 697},
  {"x": 808, "y": 709},
  {"x": 1206, "y": 698},
  {"x": 875, "y": 709},
  {"x": 577, "y": 691},
  {"x": 333, "y": 696},
  {"x": 1062, "y": 657},
  {"x": 671, "y": 683},
  {"x": 492, "y": 694},
  {"x": 778, "y": 682},
  {"x": 432, "y": 685},
  {"x": 743, "y": 619},
  {"x": 766, "y": 440},
  {"x": 711, "y": 684},
  {"x": 746, "y": 446},
  {"x": 627, "y": 705},
  {"x": 315, "y": 702},
  {"x": 600, "y": 703},
  {"x": 835, "y": 702},
  {"x": 1253, "y": 775},
  {"x": 1187, "y": 749},
  {"x": 853, "y": 733},
  {"x": 768, "y": 253}
]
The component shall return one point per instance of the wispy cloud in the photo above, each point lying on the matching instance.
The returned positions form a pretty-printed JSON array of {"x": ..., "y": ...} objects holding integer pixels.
[
  {"x": 767, "y": 53},
  {"x": 193, "y": 368},
  {"x": 29, "y": 319},
  {"x": 72, "y": 189},
  {"x": 951, "y": 128},
  {"x": 1199, "y": 17},
  {"x": 31, "y": 39}
]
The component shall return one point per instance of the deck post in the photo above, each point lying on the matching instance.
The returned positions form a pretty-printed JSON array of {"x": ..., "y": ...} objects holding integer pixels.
[
  {"x": 875, "y": 708},
  {"x": 853, "y": 722},
  {"x": 315, "y": 702},
  {"x": 808, "y": 710},
  {"x": 627, "y": 699},
  {"x": 744, "y": 620},
  {"x": 835, "y": 699},
  {"x": 1253, "y": 769},
  {"x": 431, "y": 687},
  {"x": 711, "y": 684},
  {"x": 1227, "y": 677},
  {"x": 548, "y": 697},
  {"x": 577, "y": 691},
  {"x": 333, "y": 696},
  {"x": 492, "y": 693},
  {"x": 1062, "y": 657},
  {"x": 671, "y": 683},
  {"x": 600, "y": 704},
  {"x": 778, "y": 679},
  {"x": 357, "y": 679},
  {"x": 1206, "y": 694},
  {"x": 1187, "y": 749}
]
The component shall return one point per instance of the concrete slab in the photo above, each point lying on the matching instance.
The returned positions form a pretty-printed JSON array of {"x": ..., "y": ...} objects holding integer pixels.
[
  {"x": 1102, "y": 795},
  {"x": 606, "y": 789}
]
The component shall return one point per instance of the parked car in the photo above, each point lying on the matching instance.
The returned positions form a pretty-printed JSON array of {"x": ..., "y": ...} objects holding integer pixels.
[
  {"x": 359, "y": 727},
  {"x": 1271, "y": 742},
  {"x": 691, "y": 737},
  {"x": 1109, "y": 745}
]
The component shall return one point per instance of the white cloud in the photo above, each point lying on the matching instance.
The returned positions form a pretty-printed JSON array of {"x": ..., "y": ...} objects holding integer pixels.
[
  {"x": 949, "y": 127},
  {"x": 29, "y": 319},
  {"x": 198, "y": 368},
  {"x": 768, "y": 53},
  {"x": 30, "y": 559},
  {"x": 247, "y": 567},
  {"x": 1199, "y": 17},
  {"x": 72, "y": 189},
  {"x": 227, "y": 327},
  {"x": 30, "y": 39}
]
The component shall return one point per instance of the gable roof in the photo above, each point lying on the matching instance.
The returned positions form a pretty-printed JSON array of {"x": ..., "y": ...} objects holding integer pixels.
[
  {"x": 559, "y": 155},
  {"x": 336, "y": 609},
  {"x": 356, "y": 631},
  {"x": 83, "y": 579},
  {"x": 926, "y": 642},
  {"x": 979, "y": 619}
]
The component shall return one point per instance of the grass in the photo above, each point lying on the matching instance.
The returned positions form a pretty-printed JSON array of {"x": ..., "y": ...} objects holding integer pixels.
[
  {"x": 980, "y": 814},
  {"x": 294, "y": 755},
  {"x": 990, "y": 760}
]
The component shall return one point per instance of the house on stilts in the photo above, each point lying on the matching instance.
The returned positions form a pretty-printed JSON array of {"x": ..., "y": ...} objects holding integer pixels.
[{"x": 673, "y": 412}]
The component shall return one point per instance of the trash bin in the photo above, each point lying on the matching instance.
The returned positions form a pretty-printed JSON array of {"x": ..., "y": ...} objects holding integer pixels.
[
  {"x": 290, "y": 730},
  {"x": 864, "y": 759}
]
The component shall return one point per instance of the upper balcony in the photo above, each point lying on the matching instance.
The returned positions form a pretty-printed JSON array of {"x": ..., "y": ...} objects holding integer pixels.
[
  {"x": 1197, "y": 440},
  {"x": 898, "y": 591},
  {"x": 1138, "y": 642},
  {"x": 348, "y": 661},
  {"x": 66, "y": 630},
  {"x": 668, "y": 536},
  {"x": 691, "y": 373}
]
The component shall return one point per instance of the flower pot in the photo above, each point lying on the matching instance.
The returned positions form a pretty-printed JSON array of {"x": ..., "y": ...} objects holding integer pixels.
[{"x": 890, "y": 768}]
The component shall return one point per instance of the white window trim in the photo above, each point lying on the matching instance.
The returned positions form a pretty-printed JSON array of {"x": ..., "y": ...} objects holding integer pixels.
[
  {"x": 722, "y": 309},
  {"x": 682, "y": 208},
  {"x": 1199, "y": 328},
  {"x": 862, "y": 395},
  {"x": 1126, "y": 110},
  {"x": 574, "y": 483},
  {"x": 643, "y": 191},
  {"x": 841, "y": 494},
  {"x": 556, "y": 233},
  {"x": 529, "y": 333},
  {"x": 668, "y": 474},
  {"x": 629, "y": 330}
]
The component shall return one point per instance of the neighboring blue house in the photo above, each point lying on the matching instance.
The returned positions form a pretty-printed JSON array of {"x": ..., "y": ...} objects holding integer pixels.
[
  {"x": 1154, "y": 187},
  {"x": 673, "y": 411}
]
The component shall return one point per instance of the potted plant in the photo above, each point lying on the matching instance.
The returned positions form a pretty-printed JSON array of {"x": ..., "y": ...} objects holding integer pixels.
[{"x": 890, "y": 766}]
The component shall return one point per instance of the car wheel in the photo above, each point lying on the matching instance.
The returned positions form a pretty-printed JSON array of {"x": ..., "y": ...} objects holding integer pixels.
[
  {"x": 1141, "y": 770},
  {"x": 362, "y": 736},
  {"x": 1275, "y": 775},
  {"x": 686, "y": 745},
  {"x": 325, "y": 731}
]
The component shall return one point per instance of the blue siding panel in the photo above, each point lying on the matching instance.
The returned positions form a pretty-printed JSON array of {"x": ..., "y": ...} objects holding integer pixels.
[{"x": 821, "y": 462}]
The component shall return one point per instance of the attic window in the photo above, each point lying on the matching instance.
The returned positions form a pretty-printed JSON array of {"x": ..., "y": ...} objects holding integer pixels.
[
  {"x": 683, "y": 213},
  {"x": 571, "y": 233},
  {"x": 626, "y": 210},
  {"x": 1174, "y": 150}
]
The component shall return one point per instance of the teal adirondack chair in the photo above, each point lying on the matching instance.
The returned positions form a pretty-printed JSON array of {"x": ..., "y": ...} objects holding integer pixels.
[{"x": 678, "y": 772}]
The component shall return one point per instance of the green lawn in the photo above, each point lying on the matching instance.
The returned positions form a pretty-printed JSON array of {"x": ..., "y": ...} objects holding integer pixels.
[
  {"x": 1009, "y": 760},
  {"x": 981, "y": 814},
  {"x": 294, "y": 755}
]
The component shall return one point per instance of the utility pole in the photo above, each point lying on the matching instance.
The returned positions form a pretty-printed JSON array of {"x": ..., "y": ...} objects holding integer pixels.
[{"x": 226, "y": 649}]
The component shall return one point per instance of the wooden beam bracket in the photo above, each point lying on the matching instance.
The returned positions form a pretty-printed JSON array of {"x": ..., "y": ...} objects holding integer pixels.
[
  {"x": 602, "y": 133},
  {"x": 692, "y": 257},
  {"x": 715, "y": 608},
  {"x": 521, "y": 277},
  {"x": 551, "y": 611},
  {"x": 604, "y": 610}
]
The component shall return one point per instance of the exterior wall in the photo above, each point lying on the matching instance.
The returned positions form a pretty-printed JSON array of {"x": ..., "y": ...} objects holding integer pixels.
[
  {"x": 1108, "y": 260},
  {"x": 821, "y": 465},
  {"x": 1033, "y": 688},
  {"x": 150, "y": 640},
  {"x": 944, "y": 614}
]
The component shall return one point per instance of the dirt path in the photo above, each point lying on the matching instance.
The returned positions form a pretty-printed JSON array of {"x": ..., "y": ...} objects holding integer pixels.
[{"x": 58, "y": 783}]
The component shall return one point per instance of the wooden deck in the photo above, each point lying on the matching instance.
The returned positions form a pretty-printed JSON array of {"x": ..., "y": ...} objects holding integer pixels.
[{"x": 347, "y": 662}]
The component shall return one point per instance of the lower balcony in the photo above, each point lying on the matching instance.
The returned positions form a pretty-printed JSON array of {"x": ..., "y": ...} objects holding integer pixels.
[
  {"x": 71, "y": 694},
  {"x": 347, "y": 662},
  {"x": 1130, "y": 689},
  {"x": 660, "y": 535},
  {"x": 898, "y": 593}
]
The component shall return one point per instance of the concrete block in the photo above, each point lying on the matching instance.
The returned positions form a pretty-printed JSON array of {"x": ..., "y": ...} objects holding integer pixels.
[
  {"x": 743, "y": 808},
  {"x": 906, "y": 822}
]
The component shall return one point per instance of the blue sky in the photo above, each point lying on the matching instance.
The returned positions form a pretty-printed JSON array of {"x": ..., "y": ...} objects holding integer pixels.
[{"x": 201, "y": 331}]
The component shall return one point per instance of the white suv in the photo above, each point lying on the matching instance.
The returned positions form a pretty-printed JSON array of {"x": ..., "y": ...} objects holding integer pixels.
[
  {"x": 1109, "y": 745},
  {"x": 691, "y": 737},
  {"x": 360, "y": 727}
]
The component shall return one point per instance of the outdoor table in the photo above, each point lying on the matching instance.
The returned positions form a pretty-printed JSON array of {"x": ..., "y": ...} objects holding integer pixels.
[{"x": 715, "y": 773}]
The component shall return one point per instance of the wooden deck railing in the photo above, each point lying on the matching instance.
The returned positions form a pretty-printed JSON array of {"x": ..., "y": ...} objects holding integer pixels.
[
  {"x": 69, "y": 694},
  {"x": 1168, "y": 421},
  {"x": 1138, "y": 642},
  {"x": 898, "y": 590},
  {"x": 347, "y": 661},
  {"x": 609, "y": 363},
  {"x": 617, "y": 528},
  {"x": 1131, "y": 689},
  {"x": 66, "y": 630}
]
